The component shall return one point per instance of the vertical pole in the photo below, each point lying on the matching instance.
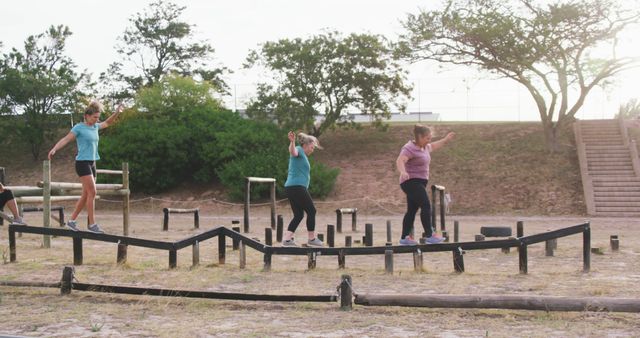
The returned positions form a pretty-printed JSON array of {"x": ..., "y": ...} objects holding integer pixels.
[
  {"x": 122, "y": 253},
  {"x": 445, "y": 235},
  {"x": 520, "y": 229},
  {"x": 311, "y": 264},
  {"x": 222, "y": 248},
  {"x": 354, "y": 220},
  {"x": 418, "y": 261},
  {"x": 458, "y": 260},
  {"x": 173, "y": 259},
  {"x": 61, "y": 216},
  {"x": 196, "y": 218},
  {"x": 12, "y": 244},
  {"x": 433, "y": 206},
  {"x": 46, "y": 194},
  {"x": 273, "y": 205},
  {"x": 347, "y": 241},
  {"x": 235, "y": 241},
  {"x": 77, "y": 251},
  {"x": 615, "y": 243},
  {"x": 279, "y": 229},
  {"x": 247, "y": 196},
  {"x": 331, "y": 235},
  {"x": 320, "y": 237},
  {"x": 388, "y": 260},
  {"x": 389, "y": 231},
  {"x": 346, "y": 293},
  {"x": 267, "y": 259},
  {"x": 522, "y": 254},
  {"x": 125, "y": 199},
  {"x": 368, "y": 230},
  {"x": 341, "y": 259},
  {"x": 442, "y": 211},
  {"x": 165, "y": 219},
  {"x": 243, "y": 255},
  {"x": 268, "y": 236},
  {"x": 548, "y": 248},
  {"x": 2, "y": 175},
  {"x": 196, "y": 253},
  {"x": 339, "y": 220},
  {"x": 456, "y": 231},
  {"x": 586, "y": 248},
  {"x": 67, "y": 280}
]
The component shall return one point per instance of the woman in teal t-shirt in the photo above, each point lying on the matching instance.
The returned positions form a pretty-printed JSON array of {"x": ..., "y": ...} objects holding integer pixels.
[
  {"x": 87, "y": 137},
  {"x": 297, "y": 185}
]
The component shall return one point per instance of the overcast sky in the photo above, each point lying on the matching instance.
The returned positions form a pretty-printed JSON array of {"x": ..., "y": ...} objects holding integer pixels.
[{"x": 235, "y": 27}]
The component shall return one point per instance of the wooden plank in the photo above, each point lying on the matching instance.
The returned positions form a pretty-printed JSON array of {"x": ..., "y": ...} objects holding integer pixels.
[{"x": 261, "y": 179}]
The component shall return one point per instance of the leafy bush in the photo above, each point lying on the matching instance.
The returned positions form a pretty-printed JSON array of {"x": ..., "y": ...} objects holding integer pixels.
[{"x": 323, "y": 179}]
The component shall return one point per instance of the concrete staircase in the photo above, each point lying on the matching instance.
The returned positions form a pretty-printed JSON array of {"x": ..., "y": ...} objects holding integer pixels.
[{"x": 609, "y": 167}]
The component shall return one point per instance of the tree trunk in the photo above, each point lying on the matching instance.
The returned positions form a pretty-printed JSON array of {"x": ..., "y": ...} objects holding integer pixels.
[{"x": 551, "y": 135}]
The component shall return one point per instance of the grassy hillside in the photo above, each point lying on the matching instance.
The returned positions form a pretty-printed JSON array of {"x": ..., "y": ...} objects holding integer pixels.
[{"x": 499, "y": 168}]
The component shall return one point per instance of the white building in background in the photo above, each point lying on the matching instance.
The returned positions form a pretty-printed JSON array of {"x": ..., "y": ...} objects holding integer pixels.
[{"x": 414, "y": 117}]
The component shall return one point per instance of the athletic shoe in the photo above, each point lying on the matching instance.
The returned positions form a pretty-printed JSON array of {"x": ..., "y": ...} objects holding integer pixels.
[
  {"x": 315, "y": 242},
  {"x": 71, "y": 224},
  {"x": 18, "y": 221},
  {"x": 95, "y": 228},
  {"x": 408, "y": 241},
  {"x": 289, "y": 242},
  {"x": 434, "y": 239}
]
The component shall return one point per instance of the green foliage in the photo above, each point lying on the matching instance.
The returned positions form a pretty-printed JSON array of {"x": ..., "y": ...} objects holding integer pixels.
[
  {"x": 38, "y": 83},
  {"x": 156, "y": 44},
  {"x": 629, "y": 110},
  {"x": 545, "y": 47},
  {"x": 323, "y": 179},
  {"x": 327, "y": 75}
]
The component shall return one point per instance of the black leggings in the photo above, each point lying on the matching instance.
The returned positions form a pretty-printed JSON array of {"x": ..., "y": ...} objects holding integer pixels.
[
  {"x": 301, "y": 202},
  {"x": 417, "y": 198},
  {"x": 5, "y": 197}
]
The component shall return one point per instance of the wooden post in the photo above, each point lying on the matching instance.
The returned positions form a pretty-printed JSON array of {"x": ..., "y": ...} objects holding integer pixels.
[
  {"x": 311, "y": 264},
  {"x": 125, "y": 199},
  {"x": 433, "y": 205},
  {"x": 479, "y": 238},
  {"x": 122, "y": 254},
  {"x": 520, "y": 229},
  {"x": 346, "y": 293},
  {"x": 12, "y": 245},
  {"x": 279, "y": 229},
  {"x": 77, "y": 251},
  {"x": 548, "y": 248},
  {"x": 442, "y": 211},
  {"x": 507, "y": 250},
  {"x": 458, "y": 260},
  {"x": 341, "y": 259},
  {"x": 165, "y": 220},
  {"x": 173, "y": 259},
  {"x": 354, "y": 220},
  {"x": 268, "y": 236},
  {"x": 347, "y": 241},
  {"x": 456, "y": 231},
  {"x": 243, "y": 255},
  {"x": 247, "y": 197},
  {"x": 320, "y": 237},
  {"x": 331, "y": 235},
  {"x": 196, "y": 253},
  {"x": 273, "y": 205},
  {"x": 417, "y": 260},
  {"x": 445, "y": 235},
  {"x": 234, "y": 240},
  {"x": 586, "y": 248},
  {"x": 388, "y": 260},
  {"x": 339, "y": 220},
  {"x": 2, "y": 176},
  {"x": 67, "y": 280},
  {"x": 196, "y": 219},
  {"x": 389, "y": 231},
  {"x": 46, "y": 203},
  {"x": 267, "y": 260},
  {"x": 368, "y": 230},
  {"x": 522, "y": 258},
  {"x": 222, "y": 248},
  {"x": 615, "y": 243},
  {"x": 61, "y": 216}
]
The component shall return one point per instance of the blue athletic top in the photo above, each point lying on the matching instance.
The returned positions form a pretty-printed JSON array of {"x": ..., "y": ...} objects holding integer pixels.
[
  {"x": 87, "y": 139},
  {"x": 299, "y": 170}
]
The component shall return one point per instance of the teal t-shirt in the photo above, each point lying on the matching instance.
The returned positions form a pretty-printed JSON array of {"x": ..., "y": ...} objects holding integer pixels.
[
  {"x": 299, "y": 170},
  {"x": 87, "y": 139}
]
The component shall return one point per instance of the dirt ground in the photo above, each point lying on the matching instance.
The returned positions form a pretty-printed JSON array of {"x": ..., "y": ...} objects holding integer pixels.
[{"x": 40, "y": 312}]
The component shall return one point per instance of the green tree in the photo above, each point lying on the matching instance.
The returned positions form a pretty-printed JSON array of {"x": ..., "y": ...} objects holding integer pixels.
[
  {"x": 629, "y": 110},
  {"x": 37, "y": 84},
  {"x": 327, "y": 75},
  {"x": 547, "y": 48},
  {"x": 158, "y": 43}
]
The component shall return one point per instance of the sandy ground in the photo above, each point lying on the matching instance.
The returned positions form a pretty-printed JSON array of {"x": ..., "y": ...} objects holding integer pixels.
[{"x": 43, "y": 312}]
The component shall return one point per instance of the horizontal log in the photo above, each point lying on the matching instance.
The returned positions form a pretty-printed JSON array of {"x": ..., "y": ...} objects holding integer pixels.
[
  {"x": 347, "y": 210},
  {"x": 119, "y": 192},
  {"x": 40, "y": 199},
  {"x": 542, "y": 303},
  {"x": 261, "y": 179},
  {"x": 30, "y": 284},
  {"x": 109, "y": 172},
  {"x": 181, "y": 211},
  {"x": 37, "y": 209},
  {"x": 70, "y": 185},
  {"x": 438, "y": 187},
  {"x": 23, "y": 190}
]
